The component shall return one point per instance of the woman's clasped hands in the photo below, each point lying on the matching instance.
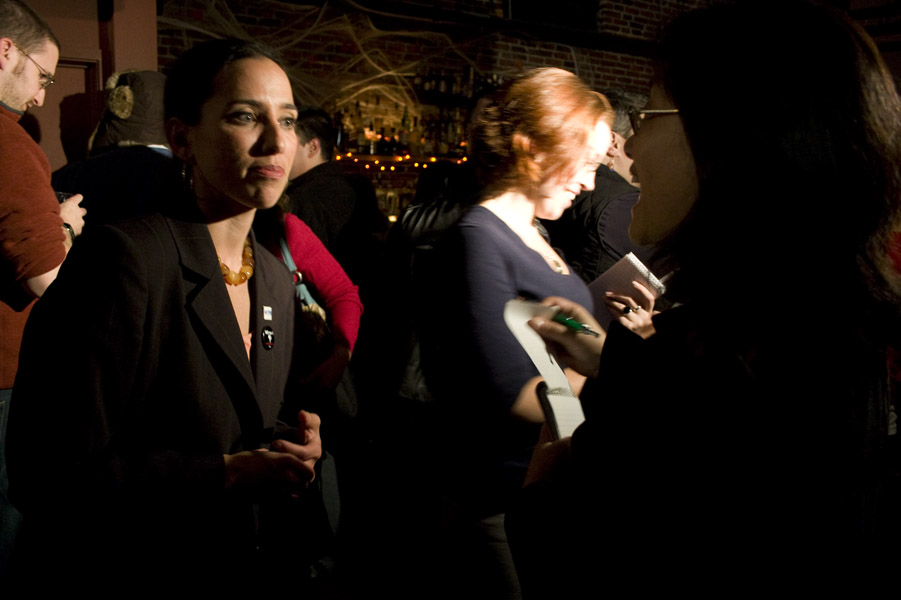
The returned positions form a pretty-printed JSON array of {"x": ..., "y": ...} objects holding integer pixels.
[{"x": 285, "y": 467}]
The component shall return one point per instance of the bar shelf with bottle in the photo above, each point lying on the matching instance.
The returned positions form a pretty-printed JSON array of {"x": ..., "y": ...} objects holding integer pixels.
[{"x": 391, "y": 142}]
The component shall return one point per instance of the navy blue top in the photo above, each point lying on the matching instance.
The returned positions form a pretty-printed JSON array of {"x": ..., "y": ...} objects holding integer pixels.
[{"x": 474, "y": 365}]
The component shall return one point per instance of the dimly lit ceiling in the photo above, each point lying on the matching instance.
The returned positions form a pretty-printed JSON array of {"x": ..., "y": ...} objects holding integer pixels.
[{"x": 881, "y": 19}]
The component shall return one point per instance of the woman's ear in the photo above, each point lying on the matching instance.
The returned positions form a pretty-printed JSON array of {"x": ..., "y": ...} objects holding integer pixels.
[
  {"x": 615, "y": 150},
  {"x": 177, "y": 134},
  {"x": 528, "y": 158},
  {"x": 522, "y": 144}
]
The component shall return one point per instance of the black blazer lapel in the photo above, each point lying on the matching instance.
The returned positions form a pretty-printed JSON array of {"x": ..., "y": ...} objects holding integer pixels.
[
  {"x": 212, "y": 316},
  {"x": 272, "y": 322}
]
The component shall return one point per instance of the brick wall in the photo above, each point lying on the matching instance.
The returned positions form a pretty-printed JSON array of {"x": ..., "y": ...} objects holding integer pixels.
[
  {"x": 600, "y": 69},
  {"x": 640, "y": 19},
  {"x": 475, "y": 7},
  {"x": 327, "y": 60},
  {"x": 343, "y": 61}
]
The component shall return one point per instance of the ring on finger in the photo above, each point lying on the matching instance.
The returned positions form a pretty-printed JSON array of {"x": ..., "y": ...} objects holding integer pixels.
[{"x": 626, "y": 310}]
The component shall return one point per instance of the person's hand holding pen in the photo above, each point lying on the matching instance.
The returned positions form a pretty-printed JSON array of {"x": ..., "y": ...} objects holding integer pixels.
[
  {"x": 570, "y": 339},
  {"x": 573, "y": 324}
]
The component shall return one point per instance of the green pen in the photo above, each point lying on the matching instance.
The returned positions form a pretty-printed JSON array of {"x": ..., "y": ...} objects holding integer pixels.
[{"x": 574, "y": 325}]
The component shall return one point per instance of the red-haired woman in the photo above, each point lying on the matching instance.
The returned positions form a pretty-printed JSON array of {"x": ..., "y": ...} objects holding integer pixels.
[{"x": 537, "y": 142}]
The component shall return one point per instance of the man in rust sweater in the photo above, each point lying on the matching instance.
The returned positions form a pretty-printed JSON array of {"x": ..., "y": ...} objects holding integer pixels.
[{"x": 36, "y": 231}]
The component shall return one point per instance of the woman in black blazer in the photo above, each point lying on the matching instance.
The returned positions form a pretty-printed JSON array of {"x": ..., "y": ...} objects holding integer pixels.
[{"x": 154, "y": 369}]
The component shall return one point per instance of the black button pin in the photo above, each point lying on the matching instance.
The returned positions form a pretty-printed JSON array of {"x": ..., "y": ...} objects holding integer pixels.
[{"x": 268, "y": 336}]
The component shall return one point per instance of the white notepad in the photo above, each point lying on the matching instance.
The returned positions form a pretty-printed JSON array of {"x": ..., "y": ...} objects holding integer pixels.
[
  {"x": 618, "y": 279},
  {"x": 562, "y": 409}
]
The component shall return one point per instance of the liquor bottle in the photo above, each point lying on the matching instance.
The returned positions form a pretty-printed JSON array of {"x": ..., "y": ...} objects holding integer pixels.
[
  {"x": 441, "y": 136},
  {"x": 391, "y": 146},
  {"x": 416, "y": 138},
  {"x": 340, "y": 132},
  {"x": 428, "y": 144},
  {"x": 362, "y": 142},
  {"x": 382, "y": 143},
  {"x": 373, "y": 139},
  {"x": 403, "y": 143}
]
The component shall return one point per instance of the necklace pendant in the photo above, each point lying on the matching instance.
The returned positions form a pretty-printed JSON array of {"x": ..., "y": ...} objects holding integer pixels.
[
  {"x": 245, "y": 272},
  {"x": 235, "y": 277}
]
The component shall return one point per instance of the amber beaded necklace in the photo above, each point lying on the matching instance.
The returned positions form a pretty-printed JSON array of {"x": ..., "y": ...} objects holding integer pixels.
[{"x": 245, "y": 272}]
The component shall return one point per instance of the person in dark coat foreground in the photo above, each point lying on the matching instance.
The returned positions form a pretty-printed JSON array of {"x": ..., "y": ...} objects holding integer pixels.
[{"x": 745, "y": 440}]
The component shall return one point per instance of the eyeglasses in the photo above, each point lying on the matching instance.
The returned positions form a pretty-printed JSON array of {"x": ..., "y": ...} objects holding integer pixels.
[
  {"x": 636, "y": 117},
  {"x": 46, "y": 78}
]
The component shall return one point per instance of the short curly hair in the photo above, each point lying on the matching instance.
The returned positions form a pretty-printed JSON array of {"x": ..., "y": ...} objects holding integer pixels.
[
  {"x": 25, "y": 27},
  {"x": 533, "y": 128},
  {"x": 313, "y": 123}
]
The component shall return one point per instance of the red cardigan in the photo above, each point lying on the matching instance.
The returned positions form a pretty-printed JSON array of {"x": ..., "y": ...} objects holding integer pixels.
[
  {"x": 328, "y": 282},
  {"x": 31, "y": 234}
]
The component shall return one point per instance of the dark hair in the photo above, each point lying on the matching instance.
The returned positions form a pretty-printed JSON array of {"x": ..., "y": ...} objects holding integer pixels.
[
  {"x": 796, "y": 188},
  {"x": 316, "y": 123},
  {"x": 621, "y": 102},
  {"x": 192, "y": 78},
  {"x": 25, "y": 27},
  {"x": 547, "y": 111}
]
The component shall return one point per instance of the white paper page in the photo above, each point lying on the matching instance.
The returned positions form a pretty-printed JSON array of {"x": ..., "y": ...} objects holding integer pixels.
[
  {"x": 567, "y": 414},
  {"x": 564, "y": 412},
  {"x": 517, "y": 314}
]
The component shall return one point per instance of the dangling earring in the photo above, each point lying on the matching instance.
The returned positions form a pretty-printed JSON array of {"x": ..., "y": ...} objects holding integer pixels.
[
  {"x": 187, "y": 178},
  {"x": 615, "y": 147}
]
